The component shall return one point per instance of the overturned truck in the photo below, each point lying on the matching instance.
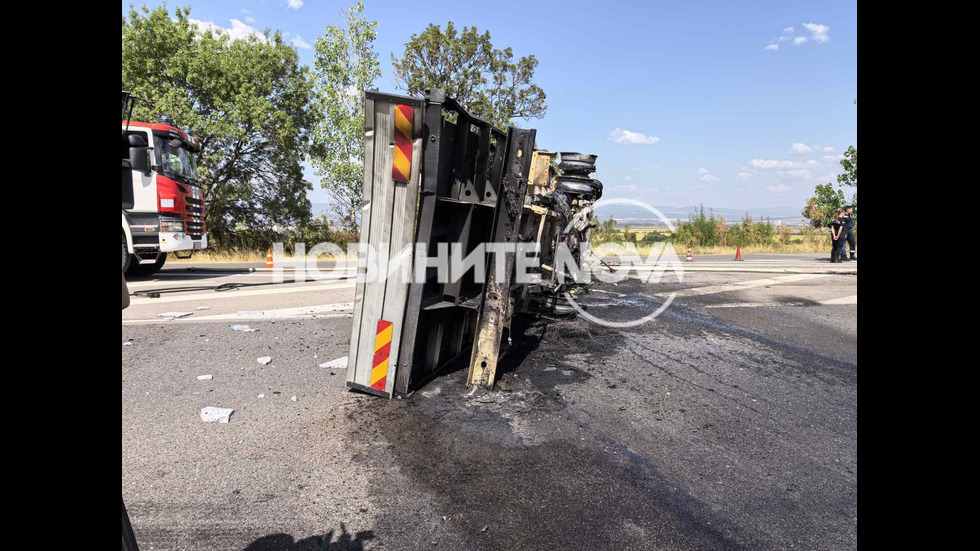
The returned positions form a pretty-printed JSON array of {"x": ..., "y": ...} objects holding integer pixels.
[{"x": 451, "y": 204}]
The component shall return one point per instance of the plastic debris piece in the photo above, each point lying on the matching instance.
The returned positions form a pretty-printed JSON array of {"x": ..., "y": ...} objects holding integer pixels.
[
  {"x": 261, "y": 395},
  {"x": 243, "y": 328},
  {"x": 175, "y": 315},
  {"x": 128, "y": 343},
  {"x": 203, "y": 308},
  {"x": 293, "y": 398},
  {"x": 204, "y": 377},
  {"x": 211, "y": 414},
  {"x": 264, "y": 360},
  {"x": 339, "y": 363}
]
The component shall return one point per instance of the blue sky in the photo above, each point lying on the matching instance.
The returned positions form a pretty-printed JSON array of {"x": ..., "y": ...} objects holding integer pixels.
[{"x": 729, "y": 104}]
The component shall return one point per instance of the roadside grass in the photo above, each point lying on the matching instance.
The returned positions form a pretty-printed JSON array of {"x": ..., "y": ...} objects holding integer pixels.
[{"x": 234, "y": 255}]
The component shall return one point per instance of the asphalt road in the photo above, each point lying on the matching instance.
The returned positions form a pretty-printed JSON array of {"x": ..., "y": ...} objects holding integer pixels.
[{"x": 728, "y": 422}]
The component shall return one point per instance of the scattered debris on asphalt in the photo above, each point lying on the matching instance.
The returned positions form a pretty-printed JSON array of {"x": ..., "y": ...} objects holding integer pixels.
[
  {"x": 264, "y": 360},
  {"x": 261, "y": 395},
  {"x": 243, "y": 328},
  {"x": 203, "y": 308},
  {"x": 339, "y": 363},
  {"x": 128, "y": 342},
  {"x": 211, "y": 414},
  {"x": 204, "y": 377},
  {"x": 293, "y": 398},
  {"x": 175, "y": 315}
]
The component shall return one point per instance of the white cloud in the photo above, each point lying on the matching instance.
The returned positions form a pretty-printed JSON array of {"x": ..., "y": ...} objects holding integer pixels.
[
  {"x": 788, "y": 30},
  {"x": 800, "y": 149},
  {"x": 770, "y": 164},
  {"x": 706, "y": 176},
  {"x": 295, "y": 4},
  {"x": 744, "y": 175},
  {"x": 834, "y": 158},
  {"x": 626, "y": 137},
  {"x": 237, "y": 31},
  {"x": 819, "y": 33},
  {"x": 772, "y": 47},
  {"x": 828, "y": 149},
  {"x": 799, "y": 174},
  {"x": 781, "y": 188},
  {"x": 799, "y": 40},
  {"x": 628, "y": 178},
  {"x": 298, "y": 42}
]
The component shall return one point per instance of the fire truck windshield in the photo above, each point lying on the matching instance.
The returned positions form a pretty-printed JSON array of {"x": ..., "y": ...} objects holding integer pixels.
[{"x": 177, "y": 162}]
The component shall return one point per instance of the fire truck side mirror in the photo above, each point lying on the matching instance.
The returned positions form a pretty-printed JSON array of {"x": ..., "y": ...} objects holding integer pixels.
[{"x": 139, "y": 153}]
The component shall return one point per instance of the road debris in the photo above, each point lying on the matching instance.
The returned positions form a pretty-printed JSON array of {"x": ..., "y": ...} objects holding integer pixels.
[
  {"x": 249, "y": 313},
  {"x": 264, "y": 360},
  {"x": 128, "y": 342},
  {"x": 204, "y": 377},
  {"x": 339, "y": 363},
  {"x": 203, "y": 308},
  {"x": 261, "y": 395},
  {"x": 211, "y": 414},
  {"x": 243, "y": 328},
  {"x": 175, "y": 315},
  {"x": 293, "y": 398}
]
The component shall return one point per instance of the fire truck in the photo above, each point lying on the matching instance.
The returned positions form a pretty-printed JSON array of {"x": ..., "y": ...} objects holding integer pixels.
[{"x": 167, "y": 212}]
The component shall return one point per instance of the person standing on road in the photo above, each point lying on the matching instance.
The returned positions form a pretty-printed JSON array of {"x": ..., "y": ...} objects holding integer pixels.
[
  {"x": 849, "y": 232},
  {"x": 837, "y": 237}
]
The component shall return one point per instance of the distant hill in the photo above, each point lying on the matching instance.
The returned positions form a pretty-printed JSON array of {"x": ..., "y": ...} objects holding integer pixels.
[{"x": 629, "y": 214}]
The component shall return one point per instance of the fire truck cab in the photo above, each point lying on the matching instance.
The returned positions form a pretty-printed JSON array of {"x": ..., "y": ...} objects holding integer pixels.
[{"x": 168, "y": 204}]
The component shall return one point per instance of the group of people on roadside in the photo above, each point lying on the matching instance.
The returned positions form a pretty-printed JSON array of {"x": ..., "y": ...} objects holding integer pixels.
[{"x": 842, "y": 235}]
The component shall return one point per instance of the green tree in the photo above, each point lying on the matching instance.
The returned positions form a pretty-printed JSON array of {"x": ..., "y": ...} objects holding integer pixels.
[
  {"x": 346, "y": 64},
  {"x": 850, "y": 165},
  {"x": 488, "y": 82},
  {"x": 247, "y": 101},
  {"x": 821, "y": 207}
]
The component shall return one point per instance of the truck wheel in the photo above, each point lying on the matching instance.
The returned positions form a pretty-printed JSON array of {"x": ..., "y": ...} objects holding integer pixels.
[
  {"x": 143, "y": 270},
  {"x": 127, "y": 258}
]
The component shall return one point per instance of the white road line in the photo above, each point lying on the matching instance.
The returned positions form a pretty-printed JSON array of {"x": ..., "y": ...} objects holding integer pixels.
[
  {"x": 853, "y": 299},
  {"x": 712, "y": 289},
  {"x": 750, "y": 305},
  {"x": 211, "y": 295},
  {"x": 338, "y": 309}
]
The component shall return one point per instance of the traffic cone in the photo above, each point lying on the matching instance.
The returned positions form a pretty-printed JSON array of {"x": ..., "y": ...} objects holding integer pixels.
[
  {"x": 268, "y": 259},
  {"x": 738, "y": 253},
  {"x": 689, "y": 257}
]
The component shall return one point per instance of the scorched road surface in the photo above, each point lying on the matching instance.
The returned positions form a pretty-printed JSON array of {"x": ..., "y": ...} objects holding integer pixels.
[{"x": 729, "y": 422}]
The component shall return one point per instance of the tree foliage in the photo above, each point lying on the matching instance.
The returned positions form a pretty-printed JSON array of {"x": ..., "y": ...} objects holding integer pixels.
[
  {"x": 487, "y": 81},
  {"x": 247, "y": 101},
  {"x": 345, "y": 66},
  {"x": 821, "y": 207},
  {"x": 850, "y": 165}
]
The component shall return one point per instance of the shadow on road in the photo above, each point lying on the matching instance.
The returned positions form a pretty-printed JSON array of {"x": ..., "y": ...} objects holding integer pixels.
[{"x": 285, "y": 542}]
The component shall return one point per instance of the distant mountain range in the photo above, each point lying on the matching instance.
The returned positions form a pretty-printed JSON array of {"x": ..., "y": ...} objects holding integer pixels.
[{"x": 630, "y": 214}]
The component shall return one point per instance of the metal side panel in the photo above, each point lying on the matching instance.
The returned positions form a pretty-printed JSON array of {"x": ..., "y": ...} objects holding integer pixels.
[
  {"x": 387, "y": 205},
  {"x": 353, "y": 374}
]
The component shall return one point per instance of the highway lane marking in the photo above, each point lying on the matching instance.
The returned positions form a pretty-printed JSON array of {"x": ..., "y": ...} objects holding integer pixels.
[
  {"x": 334, "y": 310},
  {"x": 202, "y": 296},
  {"x": 739, "y": 285},
  {"x": 853, "y": 299},
  {"x": 196, "y": 277}
]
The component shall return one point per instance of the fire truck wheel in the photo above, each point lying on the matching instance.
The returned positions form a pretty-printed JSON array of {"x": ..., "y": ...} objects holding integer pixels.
[
  {"x": 143, "y": 270},
  {"x": 126, "y": 256}
]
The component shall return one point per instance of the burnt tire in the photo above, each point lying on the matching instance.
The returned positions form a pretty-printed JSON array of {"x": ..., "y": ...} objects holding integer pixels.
[{"x": 143, "y": 270}]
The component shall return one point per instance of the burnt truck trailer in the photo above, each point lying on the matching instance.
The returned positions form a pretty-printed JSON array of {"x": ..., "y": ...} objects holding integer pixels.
[{"x": 438, "y": 179}]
